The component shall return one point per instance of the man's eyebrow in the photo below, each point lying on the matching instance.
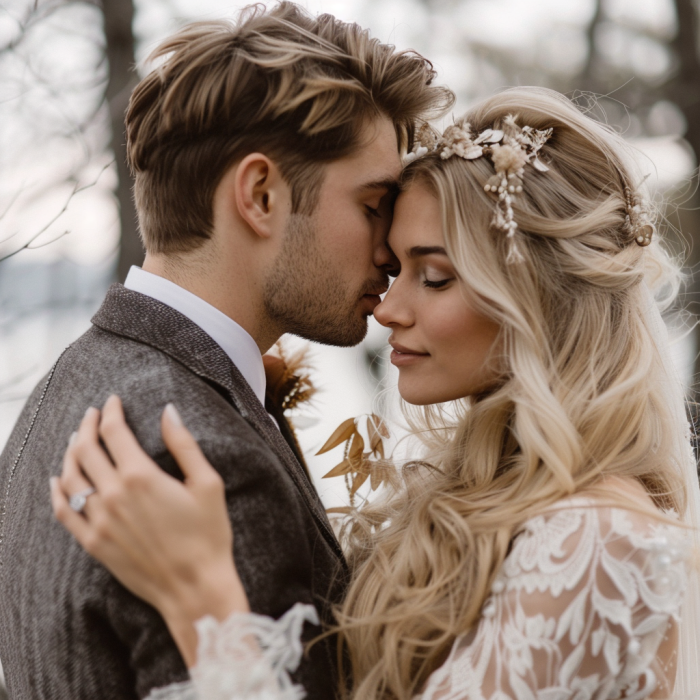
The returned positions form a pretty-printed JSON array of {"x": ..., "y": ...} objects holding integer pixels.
[
  {"x": 419, "y": 250},
  {"x": 390, "y": 184}
]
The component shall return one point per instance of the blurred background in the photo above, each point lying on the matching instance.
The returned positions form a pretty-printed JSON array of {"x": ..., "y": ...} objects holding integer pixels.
[{"x": 67, "y": 223}]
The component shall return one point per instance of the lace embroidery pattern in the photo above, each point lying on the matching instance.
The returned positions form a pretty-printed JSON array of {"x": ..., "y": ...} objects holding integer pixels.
[
  {"x": 246, "y": 657},
  {"x": 578, "y": 611}
]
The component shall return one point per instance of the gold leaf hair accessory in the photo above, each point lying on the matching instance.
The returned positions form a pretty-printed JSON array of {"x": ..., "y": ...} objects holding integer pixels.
[
  {"x": 640, "y": 218},
  {"x": 510, "y": 149},
  {"x": 359, "y": 464}
]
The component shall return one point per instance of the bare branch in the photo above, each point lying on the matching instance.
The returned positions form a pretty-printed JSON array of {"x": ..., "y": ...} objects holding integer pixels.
[{"x": 76, "y": 190}]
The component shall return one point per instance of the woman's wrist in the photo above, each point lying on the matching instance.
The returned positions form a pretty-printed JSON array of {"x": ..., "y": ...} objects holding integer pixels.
[{"x": 217, "y": 592}]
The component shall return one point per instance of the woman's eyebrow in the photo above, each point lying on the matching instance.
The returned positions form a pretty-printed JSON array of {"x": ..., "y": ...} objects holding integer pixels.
[{"x": 419, "y": 250}]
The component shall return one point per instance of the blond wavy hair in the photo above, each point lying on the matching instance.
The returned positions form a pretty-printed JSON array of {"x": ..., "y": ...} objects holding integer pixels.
[{"x": 583, "y": 394}]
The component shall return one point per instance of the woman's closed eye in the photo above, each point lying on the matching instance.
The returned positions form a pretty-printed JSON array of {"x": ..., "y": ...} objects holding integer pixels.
[
  {"x": 436, "y": 282},
  {"x": 373, "y": 212}
]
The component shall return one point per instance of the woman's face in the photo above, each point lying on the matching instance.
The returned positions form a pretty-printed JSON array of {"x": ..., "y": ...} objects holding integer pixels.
[{"x": 441, "y": 344}]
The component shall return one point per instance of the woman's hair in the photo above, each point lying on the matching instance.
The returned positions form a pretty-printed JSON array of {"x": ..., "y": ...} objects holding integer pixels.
[{"x": 584, "y": 391}]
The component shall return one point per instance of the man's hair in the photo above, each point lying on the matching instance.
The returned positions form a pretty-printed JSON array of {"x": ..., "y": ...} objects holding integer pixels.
[{"x": 295, "y": 87}]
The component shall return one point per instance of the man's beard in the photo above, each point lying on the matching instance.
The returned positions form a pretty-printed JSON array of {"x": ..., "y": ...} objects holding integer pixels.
[{"x": 304, "y": 296}]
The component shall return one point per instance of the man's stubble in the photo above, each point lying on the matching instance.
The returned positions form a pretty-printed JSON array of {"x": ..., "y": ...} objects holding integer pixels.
[{"x": 304, "y": 295}]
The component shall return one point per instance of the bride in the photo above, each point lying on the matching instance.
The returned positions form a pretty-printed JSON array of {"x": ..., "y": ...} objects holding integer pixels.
[{"x": 542, "y": 547}]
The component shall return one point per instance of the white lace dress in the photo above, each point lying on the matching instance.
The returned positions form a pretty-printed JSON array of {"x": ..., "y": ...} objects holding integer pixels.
[{"x": 585, "y": 606}]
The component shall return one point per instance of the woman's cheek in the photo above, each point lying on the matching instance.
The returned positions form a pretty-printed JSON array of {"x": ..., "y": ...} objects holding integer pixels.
[
  {"x": 449, "y": 323},
  {"x": 461, "y": 340}
]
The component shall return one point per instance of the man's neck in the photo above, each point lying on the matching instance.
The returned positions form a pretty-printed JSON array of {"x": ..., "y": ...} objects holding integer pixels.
[{"x": 228, "y": 291}]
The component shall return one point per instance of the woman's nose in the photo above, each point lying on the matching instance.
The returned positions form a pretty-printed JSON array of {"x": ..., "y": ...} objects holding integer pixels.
[{"x": 395, "y": 309}]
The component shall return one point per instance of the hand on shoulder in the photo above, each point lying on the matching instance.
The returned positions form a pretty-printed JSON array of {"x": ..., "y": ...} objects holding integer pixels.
[{"x": 169, "y": 542}]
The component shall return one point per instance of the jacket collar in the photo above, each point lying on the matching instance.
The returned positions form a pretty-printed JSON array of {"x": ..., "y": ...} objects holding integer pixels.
[{"x": 138, "y": 317}]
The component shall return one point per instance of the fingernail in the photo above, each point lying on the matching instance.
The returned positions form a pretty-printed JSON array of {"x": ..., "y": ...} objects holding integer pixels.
[
  {"x": 173, "y": 415},
  {"x": 89, "y": 411},
  {"x": 52, "y": 480},
  {"x": 72, "y": 437}
]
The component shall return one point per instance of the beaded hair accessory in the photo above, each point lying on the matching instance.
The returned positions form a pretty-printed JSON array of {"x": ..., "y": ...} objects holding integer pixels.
[
  {"x": 639, "y": 219},
  {"x": 510, "y": 149}
]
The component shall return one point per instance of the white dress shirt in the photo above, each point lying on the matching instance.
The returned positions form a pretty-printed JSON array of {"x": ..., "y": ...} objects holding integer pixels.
[{"x": 236, "y": 342}]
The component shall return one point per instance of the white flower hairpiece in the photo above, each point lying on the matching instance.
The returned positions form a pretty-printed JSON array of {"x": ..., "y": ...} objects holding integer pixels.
[{"x": 510, "y": 149}]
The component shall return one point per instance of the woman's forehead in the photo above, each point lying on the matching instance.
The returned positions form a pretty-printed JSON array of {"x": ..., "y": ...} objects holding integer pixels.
[{"x": 417, "y": 220}]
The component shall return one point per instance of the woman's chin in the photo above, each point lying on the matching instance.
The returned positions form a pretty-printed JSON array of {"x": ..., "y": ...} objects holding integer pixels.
[
  {"x": 418, "y": 395},
  {"x": 430, "y": 392}
]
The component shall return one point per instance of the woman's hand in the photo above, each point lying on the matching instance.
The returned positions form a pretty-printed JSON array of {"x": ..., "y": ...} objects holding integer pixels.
[{"x": 168, "y": 542}]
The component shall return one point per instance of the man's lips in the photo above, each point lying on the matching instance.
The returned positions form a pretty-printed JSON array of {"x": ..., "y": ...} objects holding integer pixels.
[
  {"x": 372, "y": 300},
  {"x": 377, "y": 291},
  {"x": 401, "y": 355},
  {"x": 374, "y": 295}
]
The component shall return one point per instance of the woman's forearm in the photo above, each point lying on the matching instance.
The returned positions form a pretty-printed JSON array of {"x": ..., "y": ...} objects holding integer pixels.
[{"x": 218, "y": 594}]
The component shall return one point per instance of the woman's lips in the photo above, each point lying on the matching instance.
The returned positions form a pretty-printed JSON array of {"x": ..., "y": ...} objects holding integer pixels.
[{"x": 402, "y": 356}]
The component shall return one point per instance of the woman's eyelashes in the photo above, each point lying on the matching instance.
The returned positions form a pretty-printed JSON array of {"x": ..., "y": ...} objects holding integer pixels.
[
  {"x": 373, "y": 211},
  {"x": 437, "y": 284}
]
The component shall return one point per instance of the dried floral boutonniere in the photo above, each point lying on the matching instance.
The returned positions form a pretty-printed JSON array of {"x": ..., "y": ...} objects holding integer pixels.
[
  {"x": 359, "y": 465},
  {"x": 288, "y": 387},
  {"x": 288, "y": 381}
]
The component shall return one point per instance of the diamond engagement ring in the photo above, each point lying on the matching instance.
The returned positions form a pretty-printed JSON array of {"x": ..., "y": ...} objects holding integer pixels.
[{"x": 78, "y": 500}]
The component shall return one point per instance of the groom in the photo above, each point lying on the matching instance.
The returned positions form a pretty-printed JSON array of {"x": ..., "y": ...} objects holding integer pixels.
[{"x": 265, "y": 155}]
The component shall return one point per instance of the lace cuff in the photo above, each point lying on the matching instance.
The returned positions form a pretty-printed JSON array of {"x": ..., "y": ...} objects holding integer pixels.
[{"x": 245, "y": 657}]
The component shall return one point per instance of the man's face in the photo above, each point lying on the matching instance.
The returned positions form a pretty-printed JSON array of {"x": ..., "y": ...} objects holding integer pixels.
[{"x": 333, "y": 264}]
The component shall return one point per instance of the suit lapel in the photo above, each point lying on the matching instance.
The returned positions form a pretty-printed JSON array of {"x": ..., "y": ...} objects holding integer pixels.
[{"x": 146, "y": 320}]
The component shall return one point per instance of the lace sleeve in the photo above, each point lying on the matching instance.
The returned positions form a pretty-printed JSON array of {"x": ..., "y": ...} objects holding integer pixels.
[
  {"x": 586, "y": 606},
  {"x": 246, "y": 657}
]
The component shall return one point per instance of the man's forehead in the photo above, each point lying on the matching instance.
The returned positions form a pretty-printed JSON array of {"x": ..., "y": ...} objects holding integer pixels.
[
  {"x": 375, "y": 165},
  {"x": 378, "y": 151}
]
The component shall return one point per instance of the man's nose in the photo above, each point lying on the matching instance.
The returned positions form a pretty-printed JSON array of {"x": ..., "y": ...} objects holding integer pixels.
[{"x": 385, "y": 259}]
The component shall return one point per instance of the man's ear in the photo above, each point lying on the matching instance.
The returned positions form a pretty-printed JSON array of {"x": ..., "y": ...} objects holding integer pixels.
[{"x": 260, "y": 193}]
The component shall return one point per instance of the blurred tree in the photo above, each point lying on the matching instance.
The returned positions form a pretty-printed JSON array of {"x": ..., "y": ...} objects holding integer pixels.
[
  {"x": 684, "y": 90},
  {"x": 109, "y": 90},
  {"x": 119, "y": 49}
]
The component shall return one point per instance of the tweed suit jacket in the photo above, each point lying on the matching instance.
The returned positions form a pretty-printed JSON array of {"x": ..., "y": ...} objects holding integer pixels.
[{"x": 68, "y": 629}]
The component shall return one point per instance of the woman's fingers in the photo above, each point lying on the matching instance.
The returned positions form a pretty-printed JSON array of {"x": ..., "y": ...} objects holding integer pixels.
[
  {"x": 185, "y": 450},
  {"x": 119, "y": 439},
  {"x": 72, "y": 477},
  {"x": 72, "y": 521},
  {"x": 90, "y": 455}
]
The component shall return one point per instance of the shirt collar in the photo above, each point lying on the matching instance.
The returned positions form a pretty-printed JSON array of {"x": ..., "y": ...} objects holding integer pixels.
[{"x": 234, "y": 340}]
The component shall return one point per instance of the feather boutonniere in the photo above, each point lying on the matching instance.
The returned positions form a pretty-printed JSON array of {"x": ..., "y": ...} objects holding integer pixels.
[
  {"x": 288, "y": 386},
  {"x": 359, "y": 464},
  {"x": 288, "y": 380}
]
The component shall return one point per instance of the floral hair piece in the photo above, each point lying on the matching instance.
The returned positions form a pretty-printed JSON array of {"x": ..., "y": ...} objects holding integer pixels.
[
  {"x": 510, "y": 149},
  {"x": 426, "y": 140},
  {"x": 639, "y": 219}
]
